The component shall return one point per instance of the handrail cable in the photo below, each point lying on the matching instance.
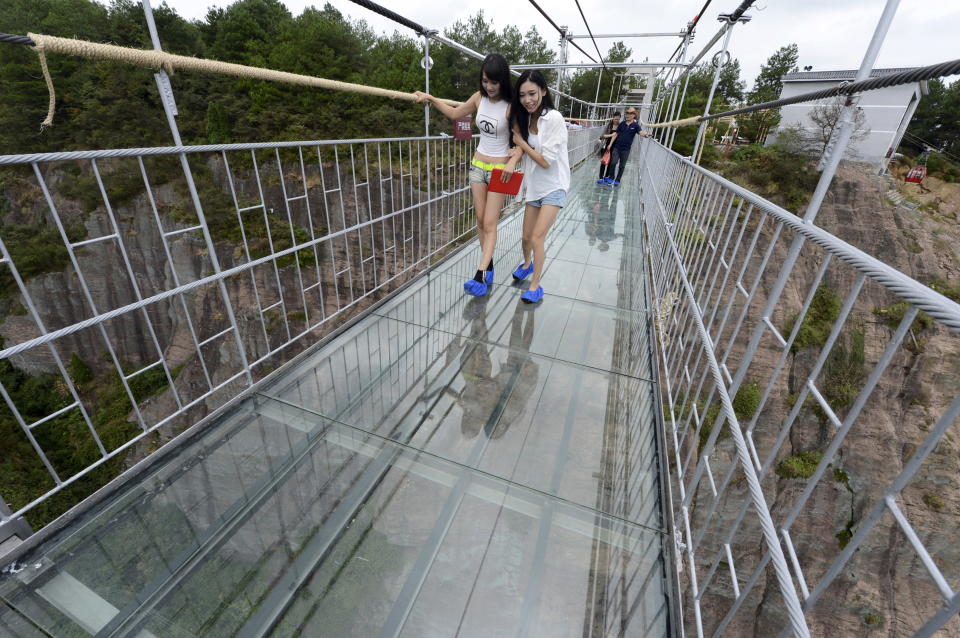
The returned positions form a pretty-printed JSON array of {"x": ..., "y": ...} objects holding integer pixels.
[{"x": 562, "y": 33}]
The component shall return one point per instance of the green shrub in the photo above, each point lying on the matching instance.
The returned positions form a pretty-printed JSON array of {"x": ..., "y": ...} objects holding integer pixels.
[
  {"x": 784, "y": 177},
  {"x": 36, "y": 250},
  {"x": 744, "y": 406},
  {"x": 893, "y": 314},
  {"x": 801, "y": 466},
  {"x": 79, "y": 371},
  {"x": 945, "y": 288},
  {"x": 844, "y": 371},
  {"x": 818, "y": 322},
  {"x": 933, "y": 501}
]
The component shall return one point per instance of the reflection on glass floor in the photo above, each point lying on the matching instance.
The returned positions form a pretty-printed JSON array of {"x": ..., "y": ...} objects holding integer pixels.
[{"x": 447, "y": 467}]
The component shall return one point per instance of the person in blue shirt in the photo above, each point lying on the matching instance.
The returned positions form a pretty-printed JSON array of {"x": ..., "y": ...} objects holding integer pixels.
[{"x": 622, "y": 143}]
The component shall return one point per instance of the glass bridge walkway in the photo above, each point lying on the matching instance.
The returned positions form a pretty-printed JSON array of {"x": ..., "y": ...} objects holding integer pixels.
[{"x": 446, "y": 466}]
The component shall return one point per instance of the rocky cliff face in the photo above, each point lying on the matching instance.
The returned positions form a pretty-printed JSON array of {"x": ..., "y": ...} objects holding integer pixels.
[
  {"x": 274, "y": 303},
  {"x": 884, "y": 590}
]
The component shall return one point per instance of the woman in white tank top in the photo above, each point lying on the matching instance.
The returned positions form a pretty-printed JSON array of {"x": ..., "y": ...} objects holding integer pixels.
[{"x": 491, "y": 104}]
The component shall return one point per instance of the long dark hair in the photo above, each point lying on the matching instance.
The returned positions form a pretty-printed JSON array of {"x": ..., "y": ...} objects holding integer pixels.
[
  {"x": 497, "y": 70},
  {"x": 518, "y": 114}
]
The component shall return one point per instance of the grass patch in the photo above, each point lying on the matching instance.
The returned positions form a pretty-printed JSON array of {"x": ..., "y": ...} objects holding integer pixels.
[
  {"x": 933, "y": 501},
  {"x": 893, "y": 314},
  {"x": 872, "y": 619},
  {"x": 818, "y": 322},
  {"x": 774, "y": 173},
  {"x": 745, "y": 404},
  {"x": 844, "y": 371},
  {"x": 800, "y": 466},
  {"x": 945, "y": 288}
]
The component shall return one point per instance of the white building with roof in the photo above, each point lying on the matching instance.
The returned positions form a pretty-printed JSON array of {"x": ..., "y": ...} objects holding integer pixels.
[{"x": 887, "y": 111}]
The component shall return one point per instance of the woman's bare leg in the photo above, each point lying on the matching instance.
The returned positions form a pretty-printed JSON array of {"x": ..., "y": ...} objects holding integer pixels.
[
  {"x": 545, "y": 219},
  {"x": 487, "y": 227},
  {"x": 479, "y": 204},
  {"x": 526, "y": 239}
]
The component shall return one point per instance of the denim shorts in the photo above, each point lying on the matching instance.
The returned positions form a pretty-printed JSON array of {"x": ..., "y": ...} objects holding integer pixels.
[
  {"x": 479, "y": 176},
  {"x": 553, "y": 198}
]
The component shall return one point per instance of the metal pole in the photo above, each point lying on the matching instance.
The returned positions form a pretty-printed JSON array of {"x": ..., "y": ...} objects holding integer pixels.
[
  {"x": 426, "y": 84},
  {"x": 563, "y": 62},
  {"x": 713, "y": 88},
  {"x": 170, "y": 108},
  {"x": 427, "y": 63},
  {"x": 672, "y": 133},
  {"x": 846, "y": 126},
  {"x": 596, "y": 96}
]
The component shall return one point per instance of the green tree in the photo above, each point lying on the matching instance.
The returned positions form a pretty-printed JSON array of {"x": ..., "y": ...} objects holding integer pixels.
[
  {"x": 937, "y": 118},
  {"x": 584, "y": 82},
  {"x": 728, "y": 93},
  {"x": 766, "y": 88}
]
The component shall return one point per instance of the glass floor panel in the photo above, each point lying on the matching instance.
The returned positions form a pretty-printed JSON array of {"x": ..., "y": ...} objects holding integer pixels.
[{"x": 448, "y": 466}]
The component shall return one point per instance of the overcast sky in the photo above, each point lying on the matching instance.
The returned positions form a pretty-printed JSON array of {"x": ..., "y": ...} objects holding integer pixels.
[{"x": 831, "y": 34}]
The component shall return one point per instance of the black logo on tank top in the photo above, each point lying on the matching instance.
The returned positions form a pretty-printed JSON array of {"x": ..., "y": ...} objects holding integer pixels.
[{"x": 488, "y": 125}]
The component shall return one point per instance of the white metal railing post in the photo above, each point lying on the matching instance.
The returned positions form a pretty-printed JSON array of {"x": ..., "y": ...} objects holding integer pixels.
[
  {"x": 169, "y": 107},
  {"x": 427, "y": 63},
  {"x": 701, "y": 130},
  {"x": 672, "y": 131}
]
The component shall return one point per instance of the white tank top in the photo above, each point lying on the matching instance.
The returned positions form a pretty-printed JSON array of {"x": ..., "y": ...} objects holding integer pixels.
[{"x": 494, "y": 128}]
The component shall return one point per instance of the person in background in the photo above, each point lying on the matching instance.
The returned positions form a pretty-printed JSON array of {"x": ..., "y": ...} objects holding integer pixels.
[
  {"x": 492, "y": 107},
  {"x": 622, "y": 143},
  {"x": 606, "y": 143}
]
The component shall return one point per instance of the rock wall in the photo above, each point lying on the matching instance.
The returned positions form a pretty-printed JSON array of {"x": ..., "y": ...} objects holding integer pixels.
[{"x": 884, "y": 589}]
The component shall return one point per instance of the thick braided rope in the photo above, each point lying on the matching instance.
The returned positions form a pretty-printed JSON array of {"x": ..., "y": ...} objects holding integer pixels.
[
  {"x": 160, "y": 59},
  {"x": 52, "y": 101},
  {"x": 684, "y": 122}
]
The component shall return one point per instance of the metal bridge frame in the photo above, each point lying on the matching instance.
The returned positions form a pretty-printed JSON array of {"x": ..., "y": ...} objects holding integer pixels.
[{"x": 700, "y": 249}]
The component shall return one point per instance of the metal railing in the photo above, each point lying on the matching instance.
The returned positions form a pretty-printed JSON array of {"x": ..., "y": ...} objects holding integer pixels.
[
  {"x": 182, "y": 276},
  {"x": 804, "y": 440}
]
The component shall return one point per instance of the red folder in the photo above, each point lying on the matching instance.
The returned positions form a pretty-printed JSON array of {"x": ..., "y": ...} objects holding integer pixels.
[{"x": 511, "y": 187}]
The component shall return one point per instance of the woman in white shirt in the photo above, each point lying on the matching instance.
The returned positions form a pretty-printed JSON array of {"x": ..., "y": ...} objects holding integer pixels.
[
  {"x": 492, "y": 107},
  {"x": 540, "y": 132}
]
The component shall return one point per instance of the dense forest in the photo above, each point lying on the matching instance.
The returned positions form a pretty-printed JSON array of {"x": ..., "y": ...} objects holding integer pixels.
[{"x": 109, "y": 105}]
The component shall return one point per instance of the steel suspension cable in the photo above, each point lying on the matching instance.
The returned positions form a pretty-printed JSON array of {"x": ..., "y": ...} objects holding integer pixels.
[
  {"x": 594, "y": 40},
  {"x": 691, "y": 26},
  {"x": 561, "y": 31},
  {"x": 10, "y": 38},
  {"x": 392, "y": 15},
  {"x": 930, "y": 72}
]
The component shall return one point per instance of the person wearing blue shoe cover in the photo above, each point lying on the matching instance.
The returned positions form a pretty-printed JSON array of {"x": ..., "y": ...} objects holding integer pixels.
[
  {"x": 539, "y": 131},
  {"x": 492, "y": 107},
  {"x": 606, "y": 144},
  {"x": 622, "y": 143}
]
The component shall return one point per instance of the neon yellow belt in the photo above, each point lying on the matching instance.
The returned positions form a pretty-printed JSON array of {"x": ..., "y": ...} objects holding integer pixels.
[{"x": 486, "y": 166}]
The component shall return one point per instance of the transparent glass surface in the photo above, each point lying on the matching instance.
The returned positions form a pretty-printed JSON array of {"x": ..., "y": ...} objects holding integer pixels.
[{"x": 448, "y": 466}]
